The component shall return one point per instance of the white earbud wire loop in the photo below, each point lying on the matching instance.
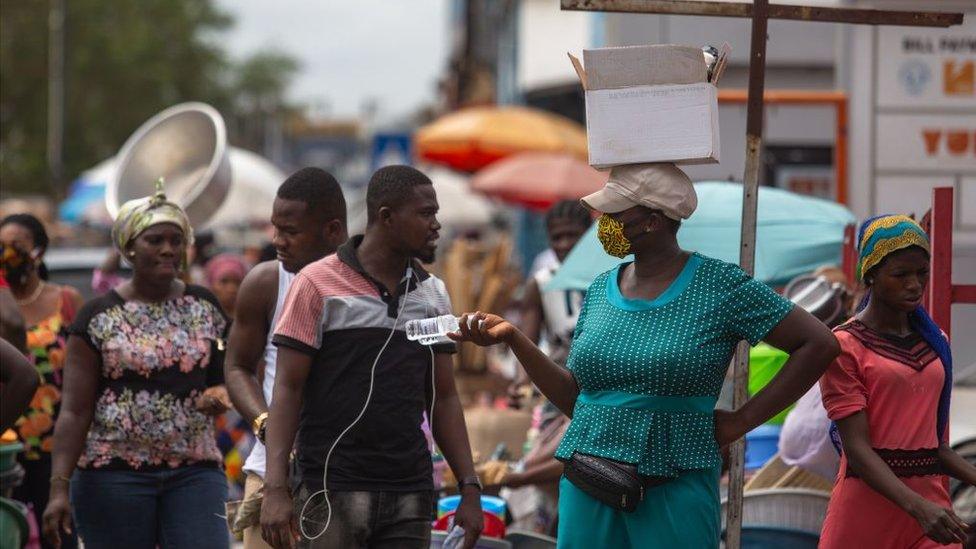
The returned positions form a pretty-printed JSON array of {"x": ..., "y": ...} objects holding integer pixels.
[{"x": 369, "y": 395}]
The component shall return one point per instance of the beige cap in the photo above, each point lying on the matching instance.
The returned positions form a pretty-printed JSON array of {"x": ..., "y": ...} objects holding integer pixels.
[{"x": 659, "y": 186}]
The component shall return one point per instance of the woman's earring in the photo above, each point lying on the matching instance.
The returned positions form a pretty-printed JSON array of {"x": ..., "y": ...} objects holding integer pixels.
[{"x": 131, "y": 254}]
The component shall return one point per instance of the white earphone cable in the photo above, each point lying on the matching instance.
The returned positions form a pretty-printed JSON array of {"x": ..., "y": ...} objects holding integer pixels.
[{"x": 369, "y": 396}]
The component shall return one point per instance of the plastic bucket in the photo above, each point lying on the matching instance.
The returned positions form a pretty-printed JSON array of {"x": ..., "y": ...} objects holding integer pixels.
[
  {"x": 762, "y": 443},
  {"x": 8, "y": 455},
  {"x": 764, "y": 537},
  {"x": 489, "y": 504},
  {"x": 13, "y": 523}
]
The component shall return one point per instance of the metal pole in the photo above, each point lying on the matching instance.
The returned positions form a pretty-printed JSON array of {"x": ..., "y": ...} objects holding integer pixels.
[
  {"x": 747, "y": 253},
  {"x": 55, "y": 95},
  {"x": 940, "y": 279}
]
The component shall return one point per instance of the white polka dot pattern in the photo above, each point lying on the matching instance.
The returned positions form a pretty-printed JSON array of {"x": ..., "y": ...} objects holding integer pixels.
[{"x": 678, "y": 348}]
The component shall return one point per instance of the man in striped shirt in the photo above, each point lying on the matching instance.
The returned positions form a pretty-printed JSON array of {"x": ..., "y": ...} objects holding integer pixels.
[{"x": 341, "y": 341}]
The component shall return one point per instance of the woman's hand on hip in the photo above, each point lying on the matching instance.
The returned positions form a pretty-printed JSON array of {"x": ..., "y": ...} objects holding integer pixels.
[
  {"x": 939, "y": 524},
  {"x": 57, "y": 517},
  {"x": 483, "y": 329},
  {"x": 728, "y": 427}
]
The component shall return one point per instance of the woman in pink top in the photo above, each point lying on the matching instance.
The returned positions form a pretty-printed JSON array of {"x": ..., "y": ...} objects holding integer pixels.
[{"x": 888, "y": 393}]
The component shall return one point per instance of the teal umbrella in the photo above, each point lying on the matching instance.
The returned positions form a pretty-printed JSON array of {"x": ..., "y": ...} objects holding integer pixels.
[{"x": 795, "y": 234}]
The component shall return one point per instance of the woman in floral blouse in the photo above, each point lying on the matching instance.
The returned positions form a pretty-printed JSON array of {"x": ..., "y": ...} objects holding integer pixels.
[
  {"x": 47, "y": 310},
  {"x": 142, "y": 386}
]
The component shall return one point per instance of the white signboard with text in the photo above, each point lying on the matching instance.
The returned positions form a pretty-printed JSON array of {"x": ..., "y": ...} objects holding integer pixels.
[
  {"x": 925, "y": 118},
  {"x": 927, "y": 68},
  {"x": 939, "y": 143}
]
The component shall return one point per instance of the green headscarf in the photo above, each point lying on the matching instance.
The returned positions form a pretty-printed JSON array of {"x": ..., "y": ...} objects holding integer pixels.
[{"x": 135, "y": 216}]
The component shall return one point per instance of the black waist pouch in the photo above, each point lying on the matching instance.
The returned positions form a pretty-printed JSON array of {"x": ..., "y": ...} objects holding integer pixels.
[{"x": 611, "y": 482}]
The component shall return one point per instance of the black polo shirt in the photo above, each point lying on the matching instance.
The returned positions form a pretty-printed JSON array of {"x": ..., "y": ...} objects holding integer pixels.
[{"x": 341, "y": 316}]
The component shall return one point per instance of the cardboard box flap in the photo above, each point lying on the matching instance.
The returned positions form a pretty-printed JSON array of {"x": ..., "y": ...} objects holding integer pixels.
[
  {"x": 579, "y": 69},
  {"x": 721, "y": 63},
  {"x": 608, "y": 68}
]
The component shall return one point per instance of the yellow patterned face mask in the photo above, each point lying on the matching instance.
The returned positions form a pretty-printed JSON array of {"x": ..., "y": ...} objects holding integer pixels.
[{"x": 611, "y": 235}]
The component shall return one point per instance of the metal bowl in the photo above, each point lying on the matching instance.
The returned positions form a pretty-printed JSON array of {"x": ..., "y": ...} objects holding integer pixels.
[
  {"x": 817, "y": 296},
  {"x": 187, "y": 145}
]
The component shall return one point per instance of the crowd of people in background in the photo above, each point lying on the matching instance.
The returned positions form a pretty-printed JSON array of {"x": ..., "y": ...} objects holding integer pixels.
[{"x": 198, "y": 393}]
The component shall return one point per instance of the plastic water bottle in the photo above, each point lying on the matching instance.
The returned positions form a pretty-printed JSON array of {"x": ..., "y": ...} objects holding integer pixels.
[
  {"x": 430, "y": 331},
  {"x": 455, "y": 538}
]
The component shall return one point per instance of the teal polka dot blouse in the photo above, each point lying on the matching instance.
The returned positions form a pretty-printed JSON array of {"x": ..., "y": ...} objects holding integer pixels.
[{"x": 650, "y": 371}]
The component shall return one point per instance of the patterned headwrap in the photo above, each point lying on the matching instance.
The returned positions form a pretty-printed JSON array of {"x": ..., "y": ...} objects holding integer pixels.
[
  {"x": 884, "y": 234},
  {"x": 877, "y": 238},
  {"x": 224, "y": 264},
  {"x": 135, "y": 216}
]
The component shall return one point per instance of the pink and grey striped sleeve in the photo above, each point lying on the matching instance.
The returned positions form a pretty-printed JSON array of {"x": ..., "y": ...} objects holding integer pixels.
[{"x": 300, "y": 324}]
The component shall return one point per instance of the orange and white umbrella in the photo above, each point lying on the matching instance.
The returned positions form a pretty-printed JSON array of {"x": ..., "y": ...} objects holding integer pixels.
[{"x": 472, "y": 138}]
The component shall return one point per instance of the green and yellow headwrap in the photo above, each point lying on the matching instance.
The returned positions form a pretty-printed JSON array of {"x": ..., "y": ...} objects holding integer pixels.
[
  {"x": 135, "y": 216},
  {"x": 882, "y": 235}
]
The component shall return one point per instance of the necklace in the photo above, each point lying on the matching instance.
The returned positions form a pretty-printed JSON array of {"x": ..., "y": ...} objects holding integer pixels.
[{"x": 33, "y": 297}]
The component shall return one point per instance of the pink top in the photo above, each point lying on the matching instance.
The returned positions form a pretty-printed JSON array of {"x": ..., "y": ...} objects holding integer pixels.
[{"x": 865, "y": 379}]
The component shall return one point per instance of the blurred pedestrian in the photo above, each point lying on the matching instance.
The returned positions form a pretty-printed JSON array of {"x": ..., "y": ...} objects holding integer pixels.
[
  {"x": 309, "y": 219},
  {"x": 141, "y": 389},
  {"x": 554, "y": 312},
  {"x": 804, "y": 441},
  {"x": 651, "y": 349},
  {"x": 346, "y": 367},
  {"x": 225, "y": 273},
  {"x": 47, "y": 309},
  {"x": 552, "y": 315},
  {"x": 888, "y": 393},
  {"x": 18, "y": 380}
]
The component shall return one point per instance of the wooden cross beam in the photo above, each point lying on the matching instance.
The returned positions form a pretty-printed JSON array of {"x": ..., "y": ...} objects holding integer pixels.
[
  {"x": 760, "y": 11},
  {"x": 827, "y": 14}
]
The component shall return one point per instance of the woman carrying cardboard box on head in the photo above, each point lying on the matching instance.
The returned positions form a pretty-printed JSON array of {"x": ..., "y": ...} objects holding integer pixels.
[{"x": 650, "y": 351}]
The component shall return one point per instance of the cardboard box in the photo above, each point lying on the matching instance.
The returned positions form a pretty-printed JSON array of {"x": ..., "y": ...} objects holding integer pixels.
[{"x": 649, "y": 104}]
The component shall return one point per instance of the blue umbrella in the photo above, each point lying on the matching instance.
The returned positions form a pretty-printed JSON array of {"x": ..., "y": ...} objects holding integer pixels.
[{"x": 795, "y": 234}]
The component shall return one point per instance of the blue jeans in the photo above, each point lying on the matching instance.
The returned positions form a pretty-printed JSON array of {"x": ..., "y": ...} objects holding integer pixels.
[{"x": 175, "y": 509}]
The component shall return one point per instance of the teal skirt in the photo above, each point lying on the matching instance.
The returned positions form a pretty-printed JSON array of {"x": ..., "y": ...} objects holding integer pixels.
[{"x": 684, "y": 512}]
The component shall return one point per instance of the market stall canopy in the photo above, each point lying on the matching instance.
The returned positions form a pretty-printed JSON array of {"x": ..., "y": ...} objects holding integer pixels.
[
  {"x": 538, "y": 180},
  {"x": 472, "y": 138},
  {"x": 795, "y": 235},
  {"x": 254, "y": 183}
]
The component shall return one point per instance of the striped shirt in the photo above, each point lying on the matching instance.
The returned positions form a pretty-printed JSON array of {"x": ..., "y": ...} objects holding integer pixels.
[{"x": 341, "y": 316}]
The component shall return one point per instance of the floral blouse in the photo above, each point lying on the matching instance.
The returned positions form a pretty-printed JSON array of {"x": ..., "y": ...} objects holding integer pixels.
[
  {"x": 156, "y": 360},
  {"x": 46, "y": 342}
]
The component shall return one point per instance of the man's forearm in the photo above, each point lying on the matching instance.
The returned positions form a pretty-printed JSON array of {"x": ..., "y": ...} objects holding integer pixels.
[
  {"x": 245, "y": 392},
  {"x": 281, "y": 429},
  {"x": 451, "y": 436}
]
